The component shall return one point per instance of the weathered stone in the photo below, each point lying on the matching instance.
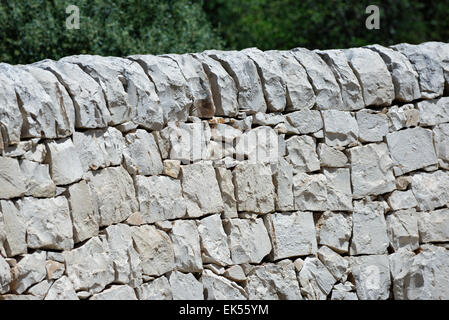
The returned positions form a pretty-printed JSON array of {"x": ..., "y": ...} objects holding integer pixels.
[
  {"x": 10, "y": 116},
  {"x": 248, "y": 240},
  {"x": 155, "y": 249},
  {"x": 201, "y": 198},
  {"x": 372, "y": 276},
  {"x": 185, "y": 286},
  {"x": 48, "y": 223},
  {"x": 223, "y": 87},
  {"x": 402, "y": 229},
  {"x": 299, "y": 93},
  {"x": 220, "y": 288},
  {"x": 402, "y": 117},
  {"x": 351, "y": 91},
  {"x": 171, "y": 168},
  {"x": 372, "y": 126},
  {"x": 235, "y": 273},
  {"x": 305, "y": 121},
  {"x": 142, "y": 154},
  {"x": 254, "y": 187},
  {"x": 335, "y": 230},
  {"x": 301, "y": 153},
  {"x": 283, "y": 181},
  {"x": 315, "y": 280},
  {"x": 113, "y": 194},
  {"x": 338, "y": 188},
  {"x": 343, "y": 295},
  {"x": 404, "y": 77},
  {"x": 411, "y": 149},
  {"x": 433, "y": 112},
  {"x": 244, "y": 72},
  {"x": 29, "y": 271},
  {"x": 214, "y": 245},
  {"x": 330, "y": 157},
  {"x": 85, "y": 218},
  {"x": 402, "y": 200},
  {"x": 160, "y": 198},
  {"x": 224, "y": 179},
  {"x": 91, "y": 258},
  {"x": 14, "y": 226},
  {"x": 12, "y": 180},
  {"x": 441, "y": 142},
  {"x": 369, "y": 235},
  {"x": 431, "y": 190},
  {"x": 431, "y": 78},
  {"x": 5, "y": 276},
  {"x": 272, "y": 78},
  {"x": 158, "y": 289},
  {"x": 371, "y": 170},
  {"x": 373, "y": 75},
  {"x": 37, "y": 179},
  {"x": 434, "y": 226},
  {"x": 89, "y": 102},
  {"x": 400, "y": 260},
  {"x": 273, "y": 282},
  {"x": 62, "y": 289},
  {"x": 186, "y": 245},
  {"x": 65, "y": 165},
  {"x": 55, "y": 270},
  {"x": 258, "y": 145},
  {"x": 336, "y": 264},
  {"x": 40, "y": 290},
  {"x": 322, "y": 79},
  {"x": 291, "y": 234},
  {"x": 122, "y": 292},
  {"x": 340, "y": 128},
  {"x": 310, "y": 192}
]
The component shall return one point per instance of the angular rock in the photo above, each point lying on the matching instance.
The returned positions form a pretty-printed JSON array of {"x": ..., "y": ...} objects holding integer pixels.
[
  {"x": 85, "y": 218},
  {"x": 248, "y": 240},
  {"x": 402, "y": 117},
  {"x": 301, "y": 153},
  {"x": 335, "y": 230},
  {"x": 122, "y": 292},
  {"x": 113, "y": 194},
  {"x": 272, "y": 78},
  {"x": 315, "y": 280},
  {"x": 404, "y": 77},
  {"x": 371, "y": 170},
  {"x": 185, "y": 286},
  {"x": 402, "y": 229},
  {"x": 158, "y": 289},
  {"x": 65, "y": 165},
  {"x": 186, "y": 245},
  {"x": 37, "y": 179},
  {"x": 441, "y": 142},
  {"x": 434, "y": 226},
  {"x": 10, "y": 116},
  {"x": 55, "y": 270},
  {"x": 160, "y": 198},
  {"x": 400, "y": 260},
  {"x": 373, "y": 75},
  {"x": 62, "y": 289},
  {"x": 29, "y": 271},
  {"x": 310, "y": 192},
  {"x": 402, "y": 200},
  {"x": 338, "y": 188},
  {"x": 92, "y": 258},
  {"x": 220, "y": 288},
  {"x": 224, "y": 179},
  {"x": 223, "y": 87},
  {"x": 14, "y": 226},
  {"x": 433, "y": 112},
  {"x": 336, "y": 264},
  {"x": 283, "y": 181},
  {"x": 171, "y": 168},
  {"x": 203, "y": 198},
  {"x": 244, "y": 72},
  {"x": 235, "y": 273},
  {"x": 12, "y": 180},
  {"x": 340, "y": 128},
  {"x": 372, "y": 126},
  {"x": 5, "y": 276},
  {"x": 273, "y": 282},
  {"x": 411, "y": 149},
  {"x": 258, "y": 145},
  {"x": 330, "y": 157},
  {"x": 291, "y": 234},
  {"x": 369, "y": 234},
  {"x": 323, "y": 81},
  {"x": 48, "y": 223},
  {"x": 40, "y": 290},
  {"x": 155, "y": 249},
  {"x": 214, "y": 244},
  {"x": 254, "y": 187},
  {"x": 431, "y": 190},
  {"x": 372, "y": 276},
  {"x": 306, "y": 121},
  {"x": 351, "y": 91}
]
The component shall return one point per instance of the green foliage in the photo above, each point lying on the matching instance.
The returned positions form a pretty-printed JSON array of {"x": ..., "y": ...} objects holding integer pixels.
[
  {"x": 285, "y": 24},
  {"x": 35, "y": 29}
]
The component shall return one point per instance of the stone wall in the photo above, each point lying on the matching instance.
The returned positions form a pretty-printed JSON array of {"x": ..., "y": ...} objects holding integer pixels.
[{"x": 227, "y": 175}]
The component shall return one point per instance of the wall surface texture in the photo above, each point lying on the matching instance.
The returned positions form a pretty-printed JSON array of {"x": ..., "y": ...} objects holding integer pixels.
[{"x": 227, "y": 175}]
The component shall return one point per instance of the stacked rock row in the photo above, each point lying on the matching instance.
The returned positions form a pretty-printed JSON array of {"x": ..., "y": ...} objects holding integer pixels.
[{"x": 227, "y": 175}]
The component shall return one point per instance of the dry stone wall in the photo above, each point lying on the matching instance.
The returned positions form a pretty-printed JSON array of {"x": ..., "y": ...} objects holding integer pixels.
[{"x": 227, "y": 175}]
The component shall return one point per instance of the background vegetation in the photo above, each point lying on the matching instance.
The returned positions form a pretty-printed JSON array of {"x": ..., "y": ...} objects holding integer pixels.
[{"x": 35, "y": 29}]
